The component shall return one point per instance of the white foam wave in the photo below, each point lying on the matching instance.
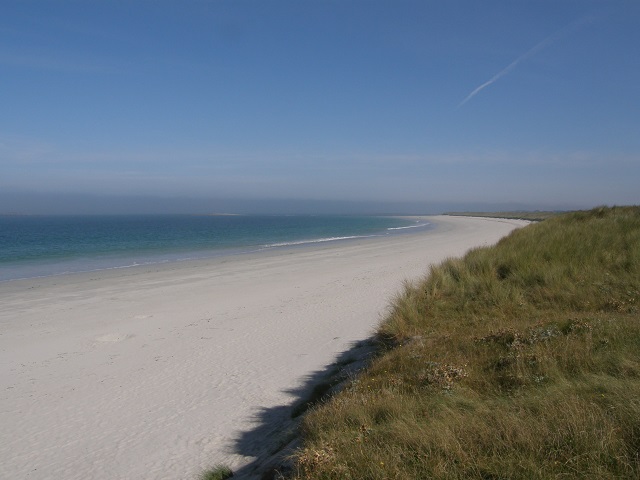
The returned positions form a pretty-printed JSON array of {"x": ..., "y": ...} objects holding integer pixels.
[
  {"x": 317, "y": 240},
  {"x": 410, "y": 226}
]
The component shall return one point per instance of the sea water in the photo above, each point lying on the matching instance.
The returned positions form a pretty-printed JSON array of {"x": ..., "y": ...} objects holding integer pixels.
[{"x": 35, "y": 246}]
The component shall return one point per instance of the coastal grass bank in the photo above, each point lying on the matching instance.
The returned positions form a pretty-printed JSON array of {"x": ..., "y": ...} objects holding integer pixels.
[{"x": 520, "y": 360}]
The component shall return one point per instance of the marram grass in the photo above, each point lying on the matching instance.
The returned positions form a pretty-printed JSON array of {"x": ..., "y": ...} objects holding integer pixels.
[
  {"x": 517, "y": 361},
  {"x": 219, "y": 472}
]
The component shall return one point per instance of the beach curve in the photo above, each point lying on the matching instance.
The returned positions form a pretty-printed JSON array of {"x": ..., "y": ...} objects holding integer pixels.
[{"x": 154, "y": 372}]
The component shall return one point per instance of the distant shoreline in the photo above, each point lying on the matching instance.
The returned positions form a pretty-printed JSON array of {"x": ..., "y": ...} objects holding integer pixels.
[
  {"x": 62, "y": 245},
  {"x": 534, "y": 216}
]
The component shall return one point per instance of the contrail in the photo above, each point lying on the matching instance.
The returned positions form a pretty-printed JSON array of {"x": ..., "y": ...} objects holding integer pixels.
[{"x": 544, "y": 43}]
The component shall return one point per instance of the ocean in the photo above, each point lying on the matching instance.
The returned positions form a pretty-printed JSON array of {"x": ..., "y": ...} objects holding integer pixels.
[{"x": 40, "y": 246}]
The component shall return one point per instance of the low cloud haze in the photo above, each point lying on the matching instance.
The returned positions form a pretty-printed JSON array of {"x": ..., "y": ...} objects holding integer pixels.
[{"x": 84, "y": 204}]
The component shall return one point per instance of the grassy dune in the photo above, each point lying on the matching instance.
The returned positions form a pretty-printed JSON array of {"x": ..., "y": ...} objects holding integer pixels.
[{"x": 517, "y": 361}]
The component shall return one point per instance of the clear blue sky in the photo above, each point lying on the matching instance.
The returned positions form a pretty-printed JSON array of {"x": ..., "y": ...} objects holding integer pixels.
[{"x": 415, "y": 103}]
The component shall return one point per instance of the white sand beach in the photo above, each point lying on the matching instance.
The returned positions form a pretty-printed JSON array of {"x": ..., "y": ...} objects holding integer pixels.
[{"x": 159, "y": 372}]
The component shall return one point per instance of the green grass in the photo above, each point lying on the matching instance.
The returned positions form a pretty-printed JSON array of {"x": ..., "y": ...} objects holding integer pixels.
[
  {"x": 219, "y": 472},
  {"x": 517, "y": 361}
]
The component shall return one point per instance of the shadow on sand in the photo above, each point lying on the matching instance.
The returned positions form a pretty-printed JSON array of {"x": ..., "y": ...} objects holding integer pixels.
[{"x": 275, "y": 435}]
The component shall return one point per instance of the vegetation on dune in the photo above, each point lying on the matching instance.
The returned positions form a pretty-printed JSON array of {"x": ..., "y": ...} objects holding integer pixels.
[
  {"x": 534, "y": 216},
  {"x": 517, "y": 361},
  {"x": 219, "y": 472}
]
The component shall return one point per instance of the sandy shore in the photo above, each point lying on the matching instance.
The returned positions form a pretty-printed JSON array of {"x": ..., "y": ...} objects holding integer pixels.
[{"x": 160, "y": 372}]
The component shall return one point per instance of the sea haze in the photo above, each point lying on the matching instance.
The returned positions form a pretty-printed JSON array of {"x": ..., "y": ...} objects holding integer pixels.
[{"x": 35, "y": 246}]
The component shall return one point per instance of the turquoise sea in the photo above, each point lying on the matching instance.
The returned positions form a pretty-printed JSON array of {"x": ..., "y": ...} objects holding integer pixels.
[{"x": 36, "y": 246}]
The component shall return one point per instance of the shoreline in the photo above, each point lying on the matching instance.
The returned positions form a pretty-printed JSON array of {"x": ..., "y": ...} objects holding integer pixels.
[
  {"x": 51, "y": 267},
  {"x": 158, "y": 371}
]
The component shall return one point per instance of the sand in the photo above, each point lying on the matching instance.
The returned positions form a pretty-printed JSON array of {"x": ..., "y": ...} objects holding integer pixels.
[{"x": 160, "y": 372}]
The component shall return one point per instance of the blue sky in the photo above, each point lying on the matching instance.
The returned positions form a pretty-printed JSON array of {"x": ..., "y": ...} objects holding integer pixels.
[{"x": 426, "y": 104}]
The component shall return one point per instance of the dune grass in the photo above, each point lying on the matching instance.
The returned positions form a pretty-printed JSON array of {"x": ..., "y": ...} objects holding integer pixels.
[
  {"x": 219, "y": 472},
  {"x": 520, "y": 360}
]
